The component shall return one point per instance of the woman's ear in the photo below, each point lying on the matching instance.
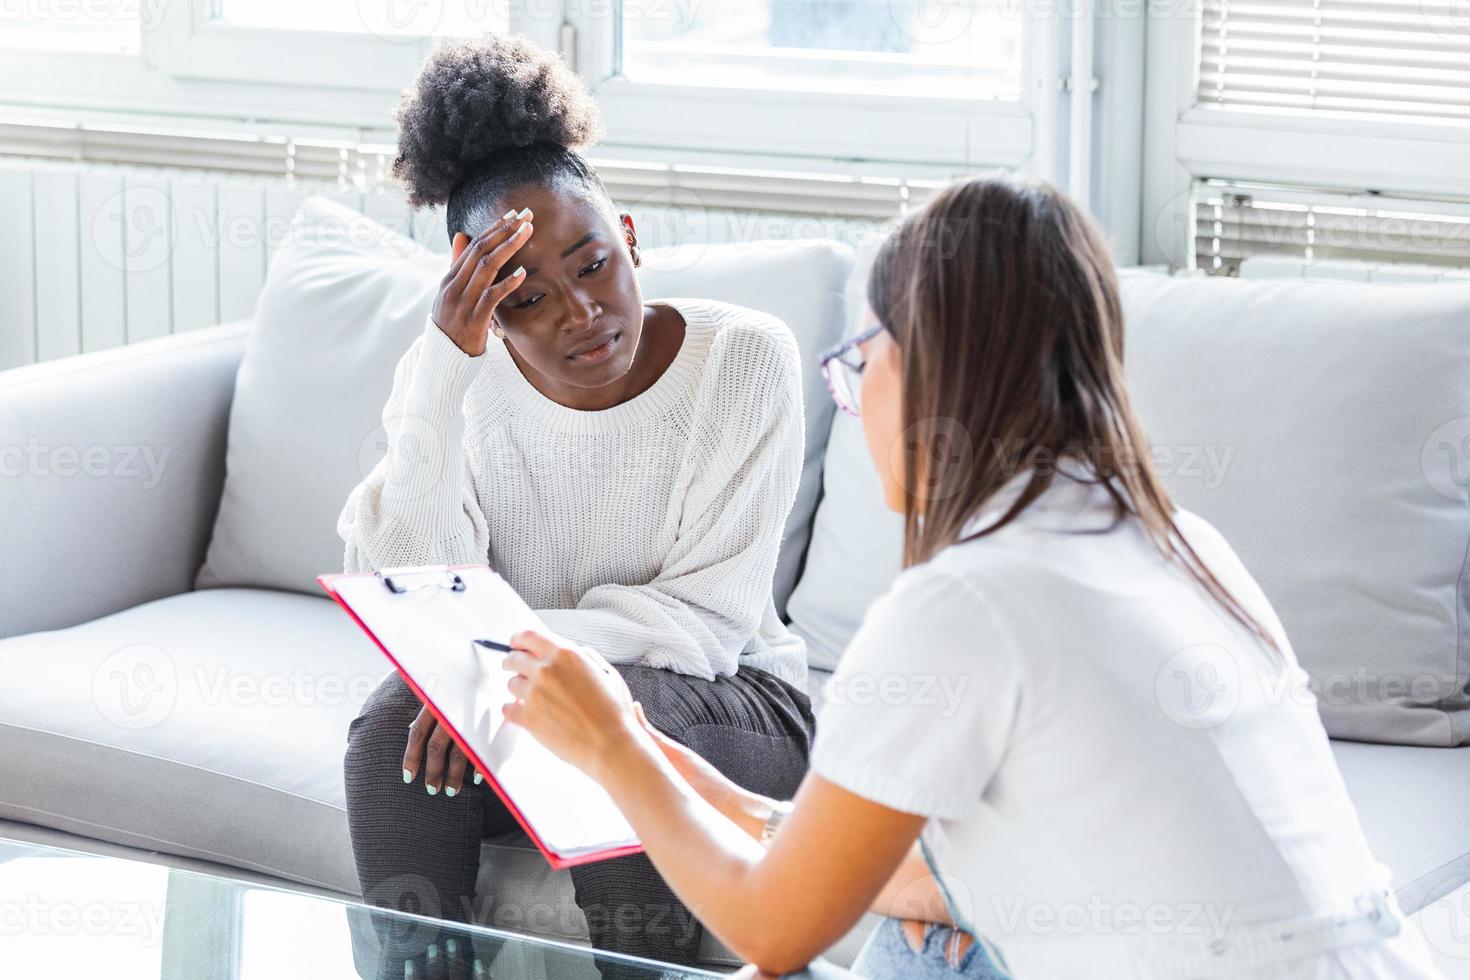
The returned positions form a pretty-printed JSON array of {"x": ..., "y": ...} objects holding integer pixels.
[{"x": 630, "y": 235}]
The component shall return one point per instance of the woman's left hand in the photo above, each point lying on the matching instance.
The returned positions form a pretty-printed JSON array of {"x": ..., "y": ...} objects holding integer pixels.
[{"x": 570, "y": 699}]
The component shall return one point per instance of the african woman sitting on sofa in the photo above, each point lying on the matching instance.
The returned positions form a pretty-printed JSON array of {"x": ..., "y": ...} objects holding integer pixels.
[{"x": 626, "y": 464}]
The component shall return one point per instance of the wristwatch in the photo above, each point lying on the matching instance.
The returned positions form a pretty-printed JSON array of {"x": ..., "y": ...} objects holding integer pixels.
[{"x": 778, "y": 813}]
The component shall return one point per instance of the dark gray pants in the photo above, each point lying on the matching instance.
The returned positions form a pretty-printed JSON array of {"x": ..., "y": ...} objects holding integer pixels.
[{"x": 421, "y": 853}]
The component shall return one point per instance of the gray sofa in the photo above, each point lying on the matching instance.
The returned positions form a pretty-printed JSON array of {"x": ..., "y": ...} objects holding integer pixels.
[{"x": 205, "y": 726}]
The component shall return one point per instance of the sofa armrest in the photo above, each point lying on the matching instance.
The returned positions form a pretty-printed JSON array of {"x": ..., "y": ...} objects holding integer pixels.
[{"x": 111, "y": 466}]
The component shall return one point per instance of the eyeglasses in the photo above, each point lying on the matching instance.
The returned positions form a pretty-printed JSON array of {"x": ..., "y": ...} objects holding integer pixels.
[{"x": 843, "y": 365}]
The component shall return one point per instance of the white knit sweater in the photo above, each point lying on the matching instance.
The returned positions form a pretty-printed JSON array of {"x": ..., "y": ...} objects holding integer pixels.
[{"x": 648, "y": 530}]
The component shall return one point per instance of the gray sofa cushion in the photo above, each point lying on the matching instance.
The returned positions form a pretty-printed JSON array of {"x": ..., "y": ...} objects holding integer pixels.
[
  {"x": 209, "y": 724},
  {"x": 1413, "y": 804},
  {"x": 343, "y": 299},
  {"x": 856, "y": 549}
]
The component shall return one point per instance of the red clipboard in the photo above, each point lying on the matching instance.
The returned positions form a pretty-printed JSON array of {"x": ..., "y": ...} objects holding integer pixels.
[{"x": 424, "y": 611}]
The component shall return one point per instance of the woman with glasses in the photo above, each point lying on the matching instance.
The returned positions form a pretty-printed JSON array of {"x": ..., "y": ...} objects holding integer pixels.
[
  {"x": 1120, "y": 790},
  {"x": 627, "y": 464}
]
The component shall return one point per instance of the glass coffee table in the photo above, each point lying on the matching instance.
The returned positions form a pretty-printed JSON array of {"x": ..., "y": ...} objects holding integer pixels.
[{"x": 66, "y": 913}]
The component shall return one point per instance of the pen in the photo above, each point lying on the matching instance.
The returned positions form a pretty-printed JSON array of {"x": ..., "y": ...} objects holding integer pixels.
[{"x": 493, "y": 645}]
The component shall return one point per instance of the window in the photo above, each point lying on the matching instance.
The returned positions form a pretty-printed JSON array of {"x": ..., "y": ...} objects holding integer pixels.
[
  {"x": 1401, "y": 57},
  {"x": 947, "y": 84},
  {"x": 968, "y": 47},
  {"x": 1322, "y": 131}
]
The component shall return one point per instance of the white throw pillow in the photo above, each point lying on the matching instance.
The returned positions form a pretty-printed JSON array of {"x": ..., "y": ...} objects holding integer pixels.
[
  {"x": 857, "y": 542},
  {"x": 343, "y": 299},
  {"x": 1324, "y": 429},
  {"x": 856, "y": 549}
]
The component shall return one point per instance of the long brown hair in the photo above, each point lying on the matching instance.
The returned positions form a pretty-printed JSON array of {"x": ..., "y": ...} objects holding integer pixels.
[{"x": 1003, "y": 300}]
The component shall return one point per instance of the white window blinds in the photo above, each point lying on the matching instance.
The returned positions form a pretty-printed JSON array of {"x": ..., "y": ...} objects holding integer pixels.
[
  {"x": 1384, "y": 57},
  {"x": 1235, "y": 223}
]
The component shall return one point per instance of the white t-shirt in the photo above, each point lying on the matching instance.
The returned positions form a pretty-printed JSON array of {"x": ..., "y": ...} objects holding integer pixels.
[{"x": 1119, "y": 783}]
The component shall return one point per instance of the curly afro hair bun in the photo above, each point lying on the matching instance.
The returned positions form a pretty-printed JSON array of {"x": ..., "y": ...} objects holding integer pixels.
[{"x": 476, "y": 103}]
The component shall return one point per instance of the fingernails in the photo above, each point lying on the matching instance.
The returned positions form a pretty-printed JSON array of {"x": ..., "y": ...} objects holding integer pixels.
[
  {"x": 432, "y": 789},
  {"x": 450, "y": 791},
  {"x": 523, "y": 213},
  {"x": 479, "y": 779},
  {"x": 451, "y": 947},
  {"x": 479, "y": 967},
  {"x": 519, "y": 271},
  {"x": 433, "y": 952},
  {"x": 407, "y": 776},
  {"x": 509, "y": 214}
]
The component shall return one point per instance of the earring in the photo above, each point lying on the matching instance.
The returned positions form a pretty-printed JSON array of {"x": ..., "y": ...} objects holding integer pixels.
[{"x": 495, "y": 329}]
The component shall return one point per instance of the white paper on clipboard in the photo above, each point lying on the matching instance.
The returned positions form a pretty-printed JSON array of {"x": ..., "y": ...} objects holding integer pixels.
[{"x": 429, "y": 632}]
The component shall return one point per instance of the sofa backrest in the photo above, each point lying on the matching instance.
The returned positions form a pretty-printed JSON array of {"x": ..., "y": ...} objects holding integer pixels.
[{"x": 345, "y": 296}]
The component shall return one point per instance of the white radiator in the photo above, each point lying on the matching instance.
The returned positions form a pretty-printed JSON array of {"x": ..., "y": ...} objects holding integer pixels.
[{"x": 94, "y": 255}]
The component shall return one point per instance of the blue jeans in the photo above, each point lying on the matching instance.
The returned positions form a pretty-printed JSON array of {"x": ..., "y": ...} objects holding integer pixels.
[{"x": 888, "y": 955}]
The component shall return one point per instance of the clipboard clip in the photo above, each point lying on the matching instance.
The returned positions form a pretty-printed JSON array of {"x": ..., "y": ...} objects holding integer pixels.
[{"x": 394, "y": 578}]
